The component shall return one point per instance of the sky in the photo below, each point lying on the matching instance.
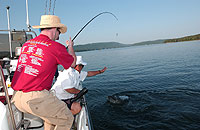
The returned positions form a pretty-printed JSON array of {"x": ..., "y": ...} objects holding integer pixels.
[{"x": 138, "y": 20}]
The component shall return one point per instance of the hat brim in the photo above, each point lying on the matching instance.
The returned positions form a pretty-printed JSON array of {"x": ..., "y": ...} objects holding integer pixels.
[
  {"x": 84, "y": 63},
  {"x": 62, "y": 27},
  {"x": 81, "y": 63}
]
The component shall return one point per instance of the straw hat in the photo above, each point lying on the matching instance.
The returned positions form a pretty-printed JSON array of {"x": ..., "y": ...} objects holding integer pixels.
[
  {"x": 50, "y": 21},
  {"x": 79, "y": 61}
]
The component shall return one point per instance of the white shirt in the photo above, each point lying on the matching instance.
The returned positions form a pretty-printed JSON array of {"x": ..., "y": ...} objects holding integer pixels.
[{"x": 69, "y": 78}]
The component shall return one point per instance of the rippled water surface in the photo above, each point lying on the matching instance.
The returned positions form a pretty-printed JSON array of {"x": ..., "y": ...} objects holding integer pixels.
[{"x": 162, "y": 82}]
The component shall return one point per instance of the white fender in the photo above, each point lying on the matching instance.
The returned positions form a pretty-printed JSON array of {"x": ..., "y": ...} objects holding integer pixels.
[{"x": 3, "y": 117}]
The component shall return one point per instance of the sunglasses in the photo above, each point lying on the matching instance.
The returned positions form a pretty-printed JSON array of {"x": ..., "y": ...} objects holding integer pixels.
[
  {"x": 58, "y": 29},
  {"x": 81, "y": 65}
]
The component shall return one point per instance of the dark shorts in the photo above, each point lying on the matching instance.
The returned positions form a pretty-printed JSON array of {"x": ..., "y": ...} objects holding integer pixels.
[{"x": 68, "y": 102}]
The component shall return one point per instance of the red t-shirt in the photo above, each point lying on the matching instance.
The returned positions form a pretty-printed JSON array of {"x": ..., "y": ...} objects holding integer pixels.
[{"x": 38, "y": 62}]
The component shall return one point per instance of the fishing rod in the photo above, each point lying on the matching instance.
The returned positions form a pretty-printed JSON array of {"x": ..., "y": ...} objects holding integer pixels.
[{"x": 91, "y": 21}]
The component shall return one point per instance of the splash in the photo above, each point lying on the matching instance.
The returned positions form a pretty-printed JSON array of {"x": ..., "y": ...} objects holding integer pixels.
[{"x": 118, "y": 99}]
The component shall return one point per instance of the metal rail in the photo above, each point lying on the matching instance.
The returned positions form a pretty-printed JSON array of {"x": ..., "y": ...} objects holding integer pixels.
[
  {"x": 20, "y": 31},
  {"x": 8, "y": 99}
]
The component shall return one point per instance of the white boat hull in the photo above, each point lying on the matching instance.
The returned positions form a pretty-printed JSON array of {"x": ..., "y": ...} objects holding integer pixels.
[{"x": 81, "y": 121}]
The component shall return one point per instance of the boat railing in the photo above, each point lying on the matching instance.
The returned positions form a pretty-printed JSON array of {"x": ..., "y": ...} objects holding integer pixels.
[
  {"x": 20, "y": 31},
  {"x": 23, "y": 123},
  {"x": 7, "y": 99}
]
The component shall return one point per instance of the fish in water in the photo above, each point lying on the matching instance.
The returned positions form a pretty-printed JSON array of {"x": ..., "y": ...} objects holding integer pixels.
[{"x": 117, "y": 99}]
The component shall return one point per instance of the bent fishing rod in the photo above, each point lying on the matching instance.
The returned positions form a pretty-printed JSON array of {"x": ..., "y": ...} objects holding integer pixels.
[{"x": 91, "y": 21}]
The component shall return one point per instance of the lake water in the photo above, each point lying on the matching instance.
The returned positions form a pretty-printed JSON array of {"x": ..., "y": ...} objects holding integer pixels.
[{"x": 162, "y": 82}]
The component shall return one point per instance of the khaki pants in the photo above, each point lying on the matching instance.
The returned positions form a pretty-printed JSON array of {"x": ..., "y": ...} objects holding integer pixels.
[{"x": 45, "y": 105}]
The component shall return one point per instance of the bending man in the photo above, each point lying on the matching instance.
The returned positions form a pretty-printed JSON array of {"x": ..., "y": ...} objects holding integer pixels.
[{"x": 69, "y": 83}]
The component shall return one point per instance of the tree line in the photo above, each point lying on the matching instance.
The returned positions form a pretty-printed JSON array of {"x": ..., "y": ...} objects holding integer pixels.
[{"x": 187, "y": 38}]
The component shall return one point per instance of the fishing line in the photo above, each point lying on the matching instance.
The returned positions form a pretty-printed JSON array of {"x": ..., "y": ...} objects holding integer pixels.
[
  {"x": 54, "y": 6},
  {"x": 91, "y": 21},
  {"x": 49, "y": 6},
  {"x": 45, "y": 8}
]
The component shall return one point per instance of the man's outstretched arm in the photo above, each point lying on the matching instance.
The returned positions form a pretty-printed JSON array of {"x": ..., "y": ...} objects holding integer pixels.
[{"x": 93, "y": 73}]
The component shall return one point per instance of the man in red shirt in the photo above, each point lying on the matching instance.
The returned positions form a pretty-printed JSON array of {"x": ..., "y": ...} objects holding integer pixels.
[{"x": 35, "y": 71}]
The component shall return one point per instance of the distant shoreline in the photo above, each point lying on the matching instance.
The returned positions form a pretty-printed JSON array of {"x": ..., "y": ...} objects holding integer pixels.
[
  {"x": 182, "y": 39},
  {"x": 110, "y": 45}
]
